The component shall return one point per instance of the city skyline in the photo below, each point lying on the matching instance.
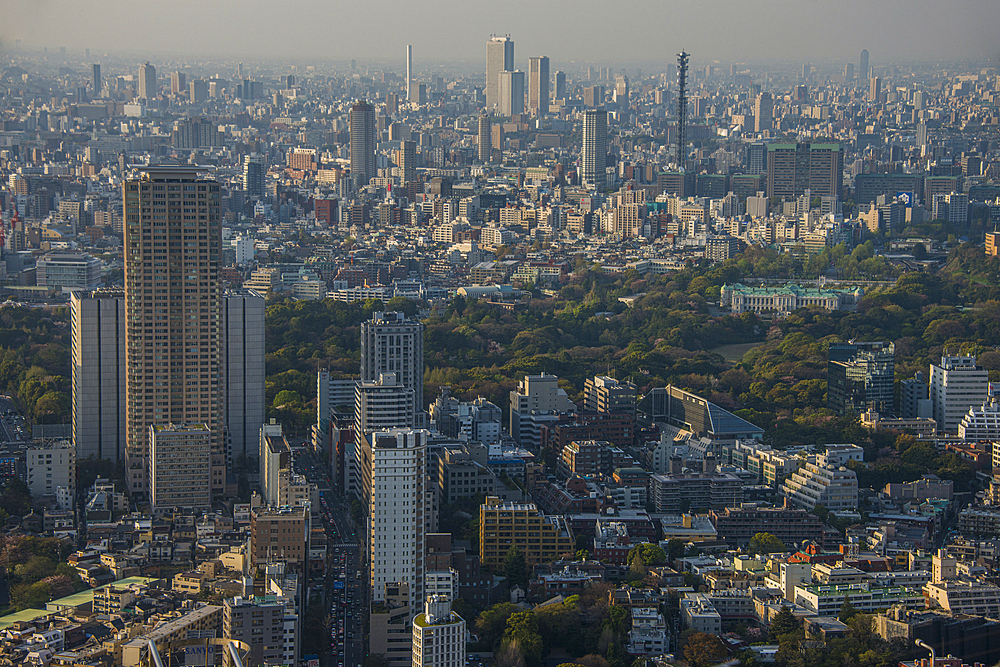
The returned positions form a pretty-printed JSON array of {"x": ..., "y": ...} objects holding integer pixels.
[{"x": 926, "y": 31}]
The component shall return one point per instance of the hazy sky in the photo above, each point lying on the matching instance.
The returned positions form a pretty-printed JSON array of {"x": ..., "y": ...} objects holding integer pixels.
[{"x": 626, "y": 31}]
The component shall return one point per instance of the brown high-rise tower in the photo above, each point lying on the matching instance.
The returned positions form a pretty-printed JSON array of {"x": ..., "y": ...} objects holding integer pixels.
[{"x": 173, "y": 235}]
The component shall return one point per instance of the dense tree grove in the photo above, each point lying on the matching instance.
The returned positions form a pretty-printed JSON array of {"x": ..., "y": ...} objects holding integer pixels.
[{"x": 35, "y": 361}]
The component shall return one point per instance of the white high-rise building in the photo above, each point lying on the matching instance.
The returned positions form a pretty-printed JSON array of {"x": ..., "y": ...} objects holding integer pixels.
[
  {"x": 98, "y": 358},
  {"x": 390, "y": 343},
  {"x": 378, "y": 406},
  {"x": 499, "y": 58},
  {"x": 956, "y": 385},
  {"x": 243, "y": 370},
  {"x": 438, "y": 635},
  {"x": 396, "y": 511},
  {"x": 594, "y": 154}
]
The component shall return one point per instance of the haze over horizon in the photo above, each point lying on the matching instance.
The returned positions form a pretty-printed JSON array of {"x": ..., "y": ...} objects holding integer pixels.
[{"x": 451, "y": 31}]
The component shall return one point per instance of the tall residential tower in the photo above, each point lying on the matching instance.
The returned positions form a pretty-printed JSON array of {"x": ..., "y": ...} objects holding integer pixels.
[{"x": 173, "y": 354}]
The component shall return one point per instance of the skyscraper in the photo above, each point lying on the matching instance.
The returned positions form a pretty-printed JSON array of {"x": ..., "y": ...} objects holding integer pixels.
[
  {"x": 147, "y": 82},
  {"x": 511, "y": 92},
  {"x": 860, "y": 377},
  {"x": 396, "y": 512},
  {"x": 763, "y": 112},
  {"x": 253, "y": 175},
  {"x": 243, "y": 368},
  {"x": 409, "y": 70},
  {"x": 594, "y": 156},
  {"x": 408, "y": 161},
  {"x": 178, "y": 83},
  {"x": 499, "y": 58},
  {"x": 172, "y": 291},
  {"x": 874, "y": 88},
  {"x": 485, "y": 148},
  {"x": 863, "y": 72},
  {"x": 560, "y": 78},
  {"x": 390, "y": 343},
  {"x": 538, "y": 85},
  {"x": 96, "y": 79},
  {"x": 98, "y": 358},
  {"x": 362, "y": 125},
  {"x": 378, "y": 406}
]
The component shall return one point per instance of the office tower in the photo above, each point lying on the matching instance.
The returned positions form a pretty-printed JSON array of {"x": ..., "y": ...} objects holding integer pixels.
[
  {"x": 511, "y": 93},
  {"x": 914, "y": 398},
  {"x": 198, "y": 91},
  {"x": 956, "y": 385},
  {"x": 362, "y": 127},
  {"x": 874, "y": 89},
  {"x": 396, "y": 512},
  {"x": 593, "y": 96},
  {"x": 560, "y": 78},
  {"x": 622, "y": 90},
  {"x": 794, "y": 168},
  {"x": 918, "y": 105},
  {"x": 849, "y": 72},
  {"x": 180, "y": 467},
  {"x": 172, "y": 239},
  {"x": 253, "y": 176},
  {"x": 408, "y": 161},
  {"x": 485, "y": 147},
  {"x": 860, "y": 377},
  {"x": 605, "y": 394},
  {"x": 378, "y": 406},
  {"x": 756, "y": 158},
  {"x": 98, "y": 357},
  {"x": 538, "y": 85},
  {"x": 438, "y": 635},
  {"x": 95, "y": 79},
  {"x": 594, "y": 156},
  {"x": 763, "y": 113},
  {"x": 178, "y": 83},
  {"x": 863, "y": 72},
  {"x": 147, "y": 82},
  {"x": 499, "y": 58},
  {"x": 390, "y": 343},
  {"x": 409, "y": 70},
  {"x": 243, "y": 369}
]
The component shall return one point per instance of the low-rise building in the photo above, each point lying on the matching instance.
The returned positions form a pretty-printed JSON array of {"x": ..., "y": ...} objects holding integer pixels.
[
  {"x": 833, "y": 486},
  {"x": 738, "y": 525},
  {"x": 648, "y": 635},
  {"x": 688, "y": 527},
  {"x": 964, "y": 597},
  {"x": 700, "y": 615},
  {"x": 827, "y": 600},
  {"x": 540, "y": 537}
]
